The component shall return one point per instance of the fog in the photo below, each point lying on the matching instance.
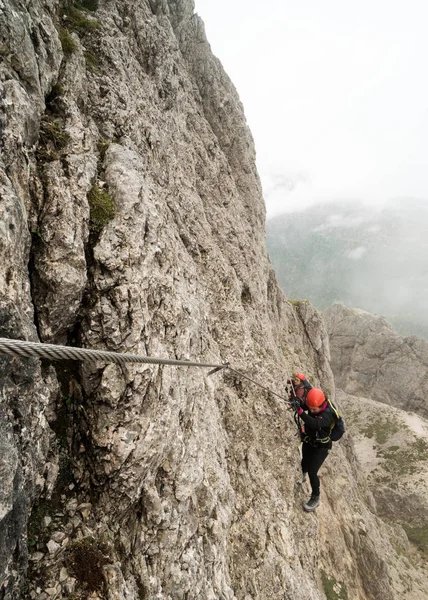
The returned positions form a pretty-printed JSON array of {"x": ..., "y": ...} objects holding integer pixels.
[
  {"x": 336, "y": 97},
  {"x": 334, "y": 92},
  {"x": 374, "y": 259}
]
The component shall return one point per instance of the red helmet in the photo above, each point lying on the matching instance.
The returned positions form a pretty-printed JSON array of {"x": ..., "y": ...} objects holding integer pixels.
[
  {"x": 315, "y": 398},
  {"x": 300, "y": 376}
]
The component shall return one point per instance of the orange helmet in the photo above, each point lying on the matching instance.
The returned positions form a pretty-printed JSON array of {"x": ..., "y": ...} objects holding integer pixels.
[
  {"x": 315, "y": 398},
  {"x": 300, "y": 376}
]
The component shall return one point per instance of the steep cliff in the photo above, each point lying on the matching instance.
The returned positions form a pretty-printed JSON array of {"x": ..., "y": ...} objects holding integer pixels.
[
  {"x": 132, "y": 220},
  {"x": 370, "y": 359}
]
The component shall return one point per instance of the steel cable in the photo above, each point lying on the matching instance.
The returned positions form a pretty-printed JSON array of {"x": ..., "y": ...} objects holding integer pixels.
[
  {"x": 53, "y": 352},
  {"x": 26, "y": 349}
]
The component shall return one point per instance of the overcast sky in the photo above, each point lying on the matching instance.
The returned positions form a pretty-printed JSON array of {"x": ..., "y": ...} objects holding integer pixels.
[{"x": 335, "y": 93}]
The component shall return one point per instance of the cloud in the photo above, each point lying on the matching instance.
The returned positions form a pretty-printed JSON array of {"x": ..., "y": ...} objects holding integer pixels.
[
  {"x": 357, "y": 253},
  {"x": 280, "y": 189},
  {"x": 286, "y": 182},
  {"x": 340, "y": 221},
  {"x": 332, "y": 89}
]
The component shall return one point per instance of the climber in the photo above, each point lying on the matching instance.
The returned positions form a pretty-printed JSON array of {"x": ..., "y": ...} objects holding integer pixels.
[
  {"x": 300, "y": 386},
  {"x": 316, "y": 442}
]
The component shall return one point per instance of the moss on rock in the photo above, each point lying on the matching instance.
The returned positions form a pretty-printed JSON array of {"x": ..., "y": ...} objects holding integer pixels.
[
  {"x": 102, "y": 209},
  {"x": 333, "y": 589}
]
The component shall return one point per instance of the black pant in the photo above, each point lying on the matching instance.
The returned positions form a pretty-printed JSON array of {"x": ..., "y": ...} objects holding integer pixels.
[{"x": 312, "y": 459}]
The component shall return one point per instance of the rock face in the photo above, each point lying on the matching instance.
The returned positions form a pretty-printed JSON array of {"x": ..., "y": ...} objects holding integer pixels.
[
  {"x": 369, "y": 359},
  {"x": 132, "y": 220}
]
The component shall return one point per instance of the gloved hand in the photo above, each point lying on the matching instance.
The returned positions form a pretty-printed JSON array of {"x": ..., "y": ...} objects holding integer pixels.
[{"x": 295, "y": 403}]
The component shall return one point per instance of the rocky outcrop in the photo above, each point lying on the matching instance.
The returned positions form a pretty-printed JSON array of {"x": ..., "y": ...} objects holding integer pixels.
[
  {"x": 133, "y": 221},
  {"x": 369, "y": 359},
  {"x": 392, "y": 449}
]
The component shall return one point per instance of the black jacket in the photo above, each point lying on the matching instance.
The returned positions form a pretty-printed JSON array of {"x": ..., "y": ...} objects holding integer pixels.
[{"x": 318, "y": 427}]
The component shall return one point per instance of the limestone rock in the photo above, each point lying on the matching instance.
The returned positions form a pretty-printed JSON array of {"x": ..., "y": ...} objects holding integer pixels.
[
  {"x": 392, "y": 449},
  {"x": 190, "y": 478},
  {"x": 370, "y": 359}
]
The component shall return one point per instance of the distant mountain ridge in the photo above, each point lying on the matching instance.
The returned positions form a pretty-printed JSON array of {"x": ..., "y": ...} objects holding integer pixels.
[{"x": 370, "y": 258}]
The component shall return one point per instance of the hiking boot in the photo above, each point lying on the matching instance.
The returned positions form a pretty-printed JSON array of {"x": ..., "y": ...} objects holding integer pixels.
[{"x": 312, "y": 503}]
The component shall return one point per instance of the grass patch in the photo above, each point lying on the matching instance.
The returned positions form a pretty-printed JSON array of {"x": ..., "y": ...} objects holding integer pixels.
[
  {"x": 92, "y": 62},
  {"x": 74, "y": 19},
  {"x": 53, "y": 138},
  {"x": 68, "y": 43},
  {"x": 398, "y": 548},
  {"x": 333, "y": 589},
  {"x": 102, "y": 147},
  {"x": 298, "y": 302},
  {"x": 405, "y": 461},
  {"x": 102, "y": 209},
  {"x": 418, "y": 536},
  {"x": 52, "y": 132},
  {"x": 420, "y": 446},
  {"x": 381, "y": 430}
]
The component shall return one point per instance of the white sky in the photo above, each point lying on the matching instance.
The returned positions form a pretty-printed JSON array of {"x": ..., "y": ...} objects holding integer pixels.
[{"x": 335, "y": 93}]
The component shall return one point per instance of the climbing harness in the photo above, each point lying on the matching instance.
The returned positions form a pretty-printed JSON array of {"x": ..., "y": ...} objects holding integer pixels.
[
  {"x": 27, "y": 349},
  {"x": 337, "y": 428}
]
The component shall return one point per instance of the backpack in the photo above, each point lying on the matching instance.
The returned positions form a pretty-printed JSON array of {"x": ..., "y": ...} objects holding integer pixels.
[{"x": 338, "y": 426}]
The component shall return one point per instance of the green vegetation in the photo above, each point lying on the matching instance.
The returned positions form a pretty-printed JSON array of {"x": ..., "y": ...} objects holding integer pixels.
[
  {"x": 333, "y": 589},
  {"x": 53, "y": 138},
  {"x": 102, "y": 209},
  {"x": 74, "y": 19},
  {"x": 52, "y": 132},
  {"x": 298, "y": 302},
  {"x": 67, "y": 42},
  {"x": 420, "y": 446},
  {"x": 92, "y": 62},
  {"x": 398, "y": 547},
  {"x": 404, "y": 461},
  {"x": 381, "y": 430},
  {"x": 102, "y": 146},
  {"x": 418, "y": 536},
  {"x": 37, "y": 233}
]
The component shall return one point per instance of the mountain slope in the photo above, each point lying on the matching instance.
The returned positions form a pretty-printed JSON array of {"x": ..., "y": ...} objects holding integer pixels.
[
  {"x": 392, "y": 449},
  {"x": 369, "y": 358},
  {"x": 133, "y": 220},
  {"x": 372, "y": 259}
]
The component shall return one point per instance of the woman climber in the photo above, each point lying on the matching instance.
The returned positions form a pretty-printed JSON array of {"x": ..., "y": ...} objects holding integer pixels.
[{"x": 316, "y": 440}]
